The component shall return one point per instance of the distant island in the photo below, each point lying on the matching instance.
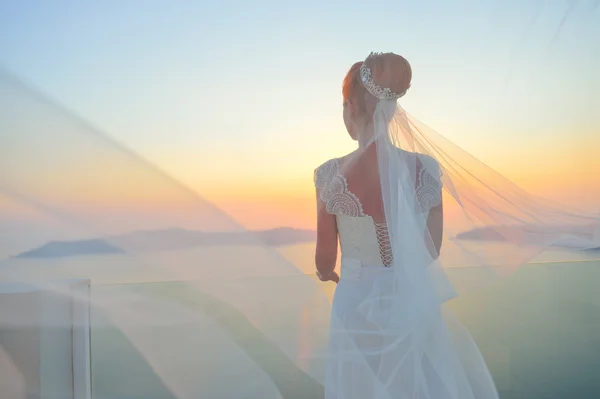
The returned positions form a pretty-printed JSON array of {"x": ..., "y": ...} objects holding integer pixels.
[
  {"x": 173, "y": 239},
  {"x": 572, "y": 237},
  {"x": 168, "y": 239}
]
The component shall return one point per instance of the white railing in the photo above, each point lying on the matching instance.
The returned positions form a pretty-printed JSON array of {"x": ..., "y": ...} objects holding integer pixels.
[{"x": 45, "y": 341}]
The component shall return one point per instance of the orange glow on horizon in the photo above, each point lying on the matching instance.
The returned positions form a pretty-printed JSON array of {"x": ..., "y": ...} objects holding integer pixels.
[{"x": 564, "y": 170}]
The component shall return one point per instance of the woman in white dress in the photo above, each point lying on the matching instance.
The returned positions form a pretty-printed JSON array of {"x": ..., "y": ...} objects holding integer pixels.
[{"x": 384, "y": 205}]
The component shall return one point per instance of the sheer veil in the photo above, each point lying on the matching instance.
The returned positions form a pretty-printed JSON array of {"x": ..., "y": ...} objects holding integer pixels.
[
  {"x": 212, "y": 309},
  {"x": 175, "y": 282},
  {"x": 402, "y": 343}
]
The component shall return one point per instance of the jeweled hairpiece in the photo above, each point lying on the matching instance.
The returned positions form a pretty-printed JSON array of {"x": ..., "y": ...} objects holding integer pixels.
[{"x": 381, "y": 93}]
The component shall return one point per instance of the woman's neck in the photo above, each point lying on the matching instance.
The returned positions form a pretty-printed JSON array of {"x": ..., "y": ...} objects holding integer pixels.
[{"x": 366, "y": 137}]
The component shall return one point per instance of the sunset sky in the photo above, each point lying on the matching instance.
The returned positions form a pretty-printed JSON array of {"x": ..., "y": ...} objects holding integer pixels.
[{"x": 241, "y": 100}]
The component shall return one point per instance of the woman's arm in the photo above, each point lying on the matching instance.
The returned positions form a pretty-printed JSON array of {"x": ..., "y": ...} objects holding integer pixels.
[
  {"x": 327, "y": 244},
  {"x": 430, "y": 182},
  {"x": 435, "y": 230}
]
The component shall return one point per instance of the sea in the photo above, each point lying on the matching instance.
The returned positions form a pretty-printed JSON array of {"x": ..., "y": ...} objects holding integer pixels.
[{"x": 538, "y": 330}]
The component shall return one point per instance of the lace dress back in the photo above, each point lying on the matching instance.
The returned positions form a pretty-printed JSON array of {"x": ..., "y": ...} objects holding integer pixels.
[{"x": 361, "y": 238}]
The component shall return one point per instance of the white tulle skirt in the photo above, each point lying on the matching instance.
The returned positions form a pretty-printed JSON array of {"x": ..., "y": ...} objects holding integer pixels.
[{"x": 436, "y": 360}]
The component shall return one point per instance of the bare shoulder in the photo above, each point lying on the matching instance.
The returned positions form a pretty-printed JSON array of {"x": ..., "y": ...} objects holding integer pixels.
[
  {"x": 424, "y": 163},
  {"x": 328, "y": 170}
]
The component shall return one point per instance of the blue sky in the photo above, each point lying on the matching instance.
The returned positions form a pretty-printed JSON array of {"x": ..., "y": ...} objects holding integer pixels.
[{"x": 236, "y": 87}]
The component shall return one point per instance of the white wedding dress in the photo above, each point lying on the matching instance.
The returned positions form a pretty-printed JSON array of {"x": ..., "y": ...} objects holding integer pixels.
[{"x": 364, "y": 361}]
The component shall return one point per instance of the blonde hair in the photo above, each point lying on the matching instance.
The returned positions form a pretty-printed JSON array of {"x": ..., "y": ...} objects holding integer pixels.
[
  {"x": 352, "y": 86},
  {"x": 389, "y": 70}
]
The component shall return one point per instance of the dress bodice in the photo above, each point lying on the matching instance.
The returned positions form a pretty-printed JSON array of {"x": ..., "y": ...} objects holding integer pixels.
[{"x": 361, "y": 238}]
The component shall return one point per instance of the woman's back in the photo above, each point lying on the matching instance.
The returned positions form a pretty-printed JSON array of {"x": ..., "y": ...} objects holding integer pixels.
[{"x": 350, "y": 188}]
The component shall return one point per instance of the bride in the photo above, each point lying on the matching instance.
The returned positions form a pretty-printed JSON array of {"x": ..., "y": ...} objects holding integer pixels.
[{"x": 388, "y": 338}]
